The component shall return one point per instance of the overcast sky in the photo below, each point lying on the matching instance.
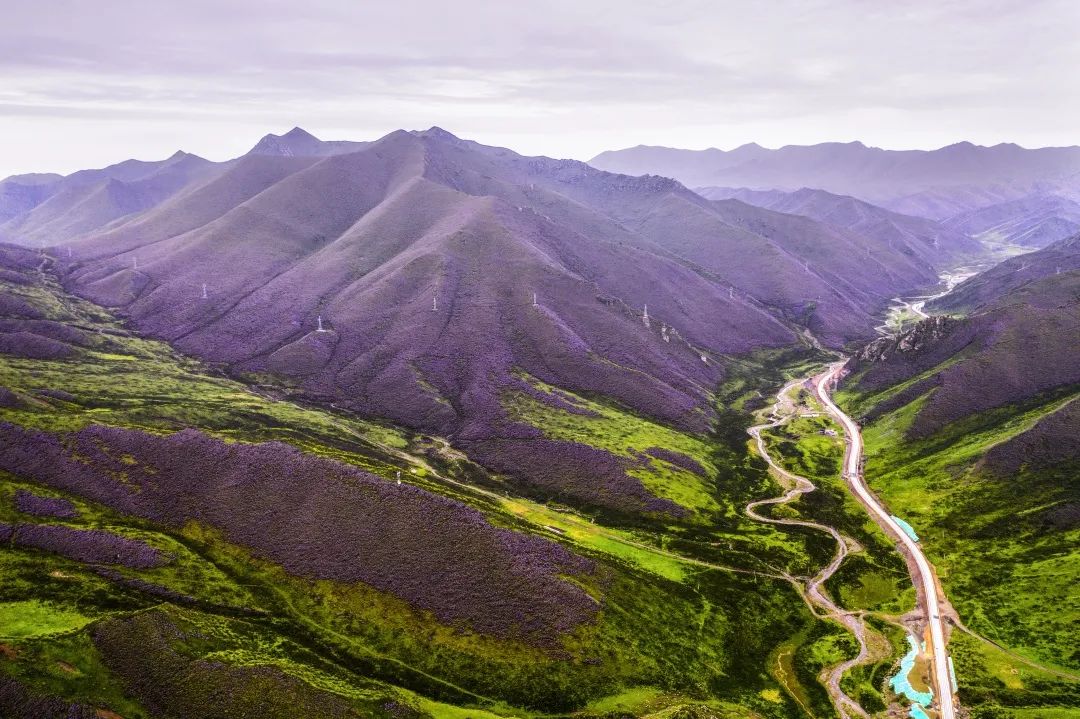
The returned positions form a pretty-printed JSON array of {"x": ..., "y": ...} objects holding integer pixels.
[{"x": 84, "y": 83}]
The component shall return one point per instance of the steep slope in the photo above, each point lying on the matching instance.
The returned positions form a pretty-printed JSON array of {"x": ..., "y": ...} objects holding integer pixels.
[
  {"x": 970, "y": 428},
  {"x": 426, "y": 296},
  {"x": 1016, "y": 348},
  {"x": 200, "y": 549},
  {"x": 408, "y": 220},
  {"x": 870, "y": 173},
  {"x": 934, "y": 243},
  {"x": 56, "y": 212},
  {"x": 450, "y": 277},
  {"x": 787, "y": 268},
  {"x": 1018, "y": 279},
  {"x": 1031, "y": 221}
]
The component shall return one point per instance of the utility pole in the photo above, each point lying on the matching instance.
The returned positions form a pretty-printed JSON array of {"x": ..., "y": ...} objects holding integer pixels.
[
  {"x": 534, "y": 299},
  {"x": 434, "y": 304},
  {"x": 645, "y": 317},
  {"x": 320, "y": 329}
]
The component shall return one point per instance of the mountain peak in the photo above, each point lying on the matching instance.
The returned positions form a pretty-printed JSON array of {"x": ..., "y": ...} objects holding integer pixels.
[
  {"x": 296, "y": 141},
  {"x": 298, "y": 133},
  {"x": 747, "y": 148},
  {"x": 180, "y": 156},
  {"x": 438, "y": 133}
]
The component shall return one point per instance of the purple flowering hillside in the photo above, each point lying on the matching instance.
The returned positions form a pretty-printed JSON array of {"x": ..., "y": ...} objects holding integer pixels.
[
  {"x": 437, "y": 268},
  {"x": 1017, "y": 345},
  {"x": 315, "y": 517}
]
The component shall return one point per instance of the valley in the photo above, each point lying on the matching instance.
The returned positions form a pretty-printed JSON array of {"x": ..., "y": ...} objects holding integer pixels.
[{"x": 471, "y": 440}]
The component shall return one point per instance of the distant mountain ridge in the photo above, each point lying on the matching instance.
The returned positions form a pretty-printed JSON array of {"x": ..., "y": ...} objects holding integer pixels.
[
  {"x": 40, "y": 210},
  {"x": 1032, "y": 221},
  {"x": 934, "y": 242},
  {"x": 873, "y": 174}
]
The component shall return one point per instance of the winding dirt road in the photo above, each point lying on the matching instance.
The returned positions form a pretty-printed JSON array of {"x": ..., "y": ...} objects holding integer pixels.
[{"x": 781, "y": 414}]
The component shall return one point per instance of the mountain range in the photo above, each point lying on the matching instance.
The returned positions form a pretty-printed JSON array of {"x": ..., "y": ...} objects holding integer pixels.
[
  {"x": 420, "y": 427},
  {"x": 966, "y": 174},
  {"x": 420, "y": 256}
]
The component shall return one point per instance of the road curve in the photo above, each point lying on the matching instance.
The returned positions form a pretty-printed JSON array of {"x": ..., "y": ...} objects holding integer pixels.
[
  {"x": 925, "y": 580},
  {"x": 845, "y": 705}
]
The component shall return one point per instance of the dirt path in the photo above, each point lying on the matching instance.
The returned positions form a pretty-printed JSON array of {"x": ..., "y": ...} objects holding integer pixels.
[{"x": 784, "y": 411}]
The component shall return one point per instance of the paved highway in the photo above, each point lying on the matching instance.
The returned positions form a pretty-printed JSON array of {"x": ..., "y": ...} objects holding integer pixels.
[{"x": 925, "y": 580}]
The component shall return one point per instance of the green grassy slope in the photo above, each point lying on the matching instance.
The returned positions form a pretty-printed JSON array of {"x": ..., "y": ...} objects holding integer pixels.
[
  {"x": 993, "y": 501},
  {"x": 693, "y": 615}
]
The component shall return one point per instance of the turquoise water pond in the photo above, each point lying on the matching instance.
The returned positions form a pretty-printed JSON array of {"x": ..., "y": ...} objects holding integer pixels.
[{"x": 902, "y": 685}]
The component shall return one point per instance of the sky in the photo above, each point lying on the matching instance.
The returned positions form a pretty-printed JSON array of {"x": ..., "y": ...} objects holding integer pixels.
[{"x": 84, "y": 84}]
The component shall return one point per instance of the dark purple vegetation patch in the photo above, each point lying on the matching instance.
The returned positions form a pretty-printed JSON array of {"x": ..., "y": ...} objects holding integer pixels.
[
  {"x": 30, "y": 503},
  {"x": 32, "y": 346},
  {"x": 1051, "y": 441},
  {"x": 678, "y": 459},
  {"x": 14, "y": 278},
  {"x": 17, "y": 257},
  {"x": 322, "y": 519},
  {"x": 17, "y": 701},
  {"x": 16, "y": 306},
  {"x": 47, "y": 328},
  {"x": 571, "y": 471},
  {"x": 93, "y": 546},
  {"x": 10, "y": 399},
  {"x": 147, "y": 652}
]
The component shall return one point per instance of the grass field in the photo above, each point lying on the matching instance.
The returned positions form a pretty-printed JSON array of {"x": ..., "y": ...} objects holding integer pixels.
[
  {"x": 688, "y": 622},
  {"x": 1011, "y": 577}
]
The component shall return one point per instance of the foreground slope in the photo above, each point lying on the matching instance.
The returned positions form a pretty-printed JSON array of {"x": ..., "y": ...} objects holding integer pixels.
[
  {"x": 970, "y": 427},
  {"x": 177, "y": 545}
]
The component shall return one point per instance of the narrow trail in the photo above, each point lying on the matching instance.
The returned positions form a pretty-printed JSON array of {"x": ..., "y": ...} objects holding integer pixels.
[
  {"x": 784, "y": 411},
  {"x": 1018, "y": 657}
]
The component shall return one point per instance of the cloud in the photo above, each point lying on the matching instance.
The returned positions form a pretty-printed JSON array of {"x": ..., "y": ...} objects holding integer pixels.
[{"x": 565, "y": 78}]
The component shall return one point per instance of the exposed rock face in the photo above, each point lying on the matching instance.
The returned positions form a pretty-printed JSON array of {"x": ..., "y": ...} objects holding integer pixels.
[
  {"x": 1018, "y": 349},
  {"x": 917, "y": 339}
]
